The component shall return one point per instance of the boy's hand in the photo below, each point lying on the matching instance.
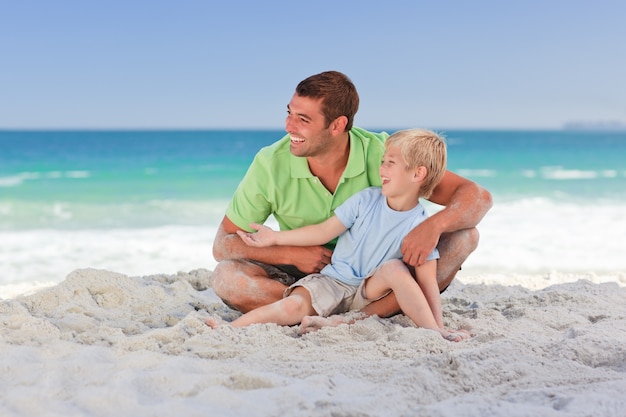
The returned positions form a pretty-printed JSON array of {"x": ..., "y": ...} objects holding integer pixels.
[{"x": 263, "y": 237}]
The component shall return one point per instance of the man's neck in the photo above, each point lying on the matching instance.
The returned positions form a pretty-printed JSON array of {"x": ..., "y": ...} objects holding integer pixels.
[{"x": 330, "y": 166}]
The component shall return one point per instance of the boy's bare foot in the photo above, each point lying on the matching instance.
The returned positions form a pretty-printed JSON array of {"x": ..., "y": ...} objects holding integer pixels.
[
  {"x": 314, "y": 323},
  {"x": 456, "y": 336}
]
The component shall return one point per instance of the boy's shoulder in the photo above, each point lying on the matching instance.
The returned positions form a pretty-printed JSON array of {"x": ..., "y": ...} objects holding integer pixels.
[
  {"x": 368, "y": 194},
  {"x": 375, "y": 191}
]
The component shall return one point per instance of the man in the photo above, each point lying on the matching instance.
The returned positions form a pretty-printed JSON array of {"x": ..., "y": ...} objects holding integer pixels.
[{"x": 303, "y": 177}]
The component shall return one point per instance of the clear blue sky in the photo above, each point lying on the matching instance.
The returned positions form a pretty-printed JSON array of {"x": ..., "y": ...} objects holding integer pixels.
[{"x": 235, "y": 64}]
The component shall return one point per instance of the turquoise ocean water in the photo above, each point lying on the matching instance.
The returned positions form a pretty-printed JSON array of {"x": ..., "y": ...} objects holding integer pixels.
[{"x": 143, "y": 202}]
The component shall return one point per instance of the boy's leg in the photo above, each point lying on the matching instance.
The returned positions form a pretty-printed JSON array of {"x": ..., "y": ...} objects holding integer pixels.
[
  {"x": 314, "y": 323},
  {"x": 395, "y": 276},
  {"x": 454, "y": 248},
  {"x": 286, "y": 312},
  {"x": 385, "y": 304}
]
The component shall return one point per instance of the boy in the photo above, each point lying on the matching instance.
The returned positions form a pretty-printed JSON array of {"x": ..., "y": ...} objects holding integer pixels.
[{"x": 367, "y": 263}]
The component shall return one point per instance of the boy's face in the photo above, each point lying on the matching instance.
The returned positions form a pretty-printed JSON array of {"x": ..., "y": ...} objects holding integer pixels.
[
  {"x": 396, "y": 177},
  {"x": 307, "y": 128}
]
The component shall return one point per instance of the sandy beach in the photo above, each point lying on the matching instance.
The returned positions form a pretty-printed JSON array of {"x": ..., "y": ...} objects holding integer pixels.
[{"x": 101, "y": 343}]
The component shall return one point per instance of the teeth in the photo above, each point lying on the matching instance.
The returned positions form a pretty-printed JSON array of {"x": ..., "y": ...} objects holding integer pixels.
[{"x": 298, "y": 140}]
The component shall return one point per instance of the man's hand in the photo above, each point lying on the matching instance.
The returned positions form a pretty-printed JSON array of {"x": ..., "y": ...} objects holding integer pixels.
[{"x": 309, "y": 259}]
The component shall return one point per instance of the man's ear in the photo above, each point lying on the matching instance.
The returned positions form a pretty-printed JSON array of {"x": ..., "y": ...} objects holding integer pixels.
[
  {"x": 419, "y": 174},
  {"x": 338, "y": 125}
]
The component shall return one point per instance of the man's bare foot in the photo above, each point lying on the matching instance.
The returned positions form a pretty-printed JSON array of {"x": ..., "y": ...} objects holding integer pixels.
[
  {"x": 213, "y": 322},
  {"x": 314, "y": 323}
]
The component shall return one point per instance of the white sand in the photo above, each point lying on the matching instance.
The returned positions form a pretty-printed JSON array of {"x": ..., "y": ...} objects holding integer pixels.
[{"x": 104, "y": 344}]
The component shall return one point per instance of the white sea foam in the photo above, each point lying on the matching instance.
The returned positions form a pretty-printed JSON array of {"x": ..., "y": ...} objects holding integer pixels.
[
  {"x": 77, "y": 174},
  {"x": 558, "y": 173},
  {"x": 538, "y": 235},
  {"x": 28, "y": 215},
  {"x": 35, "y": 258},
  {"x": 18, "y": 179},
  {"x": 531, "y": 236},
  {"x": 477, "y": 173}
]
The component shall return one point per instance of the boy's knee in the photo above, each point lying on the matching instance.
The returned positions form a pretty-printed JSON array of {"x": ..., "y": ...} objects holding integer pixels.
[
  {"x": 294, "y": 306},
  {"x": 393, "y": 266}
]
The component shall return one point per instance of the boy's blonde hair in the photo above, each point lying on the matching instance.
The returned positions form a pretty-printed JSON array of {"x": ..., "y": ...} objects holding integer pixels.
[{"x": 421, "y": 147}]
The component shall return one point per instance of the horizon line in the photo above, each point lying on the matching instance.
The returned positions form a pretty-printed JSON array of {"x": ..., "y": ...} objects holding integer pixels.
[{"x": 565, "y": 127}]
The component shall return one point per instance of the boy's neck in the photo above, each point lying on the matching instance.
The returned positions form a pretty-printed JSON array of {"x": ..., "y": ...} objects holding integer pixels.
[{"x": 404, "y": 202}]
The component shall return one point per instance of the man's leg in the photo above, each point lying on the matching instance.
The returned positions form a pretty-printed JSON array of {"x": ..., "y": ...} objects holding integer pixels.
[
  {"x": 245, "y": 285},
  {"x": 454, "y": 248}
]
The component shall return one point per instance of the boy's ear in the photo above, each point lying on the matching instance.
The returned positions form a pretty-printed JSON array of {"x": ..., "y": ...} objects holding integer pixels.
[{"x": 419, "y": 174}]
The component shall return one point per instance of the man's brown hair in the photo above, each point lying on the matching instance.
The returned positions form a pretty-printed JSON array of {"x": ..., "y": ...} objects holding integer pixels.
[{"x": 338, "y": 94}]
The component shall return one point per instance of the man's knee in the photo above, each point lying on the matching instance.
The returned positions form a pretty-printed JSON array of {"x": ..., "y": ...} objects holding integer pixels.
[
  {"x": 460, "y": 242},
  {"x": 472, "y": 238},
  {"x": 223, "y": 277},
  {"x": 455, "y": 249}
]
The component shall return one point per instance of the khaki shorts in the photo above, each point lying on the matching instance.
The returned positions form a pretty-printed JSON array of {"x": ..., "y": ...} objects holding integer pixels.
[
  {"x": 328, "y": 295},
  {"x": 360, "y": 300}
]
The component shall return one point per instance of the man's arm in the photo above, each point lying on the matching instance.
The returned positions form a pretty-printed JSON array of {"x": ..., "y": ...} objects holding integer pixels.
[
  {"x": 228, "y": 245},
  {"x": 466, "y": 203}
]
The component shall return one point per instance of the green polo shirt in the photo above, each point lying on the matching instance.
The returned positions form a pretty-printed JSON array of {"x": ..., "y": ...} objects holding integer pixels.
[{"x": 281, "y": 184}]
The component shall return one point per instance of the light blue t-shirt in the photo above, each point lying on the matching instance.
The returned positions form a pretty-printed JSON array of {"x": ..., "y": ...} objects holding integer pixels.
[{"x": 375, "y": 233}]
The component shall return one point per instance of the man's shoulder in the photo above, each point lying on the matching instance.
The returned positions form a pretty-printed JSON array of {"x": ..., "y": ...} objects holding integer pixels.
[{"x": 368, "y": 136}]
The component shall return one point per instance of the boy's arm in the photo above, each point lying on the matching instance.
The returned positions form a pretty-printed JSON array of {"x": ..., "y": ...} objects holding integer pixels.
[
  {"x": 426, "y": 275},
  {"x": 228, "y": 245},
  {"x": 315, "y": 234}
]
